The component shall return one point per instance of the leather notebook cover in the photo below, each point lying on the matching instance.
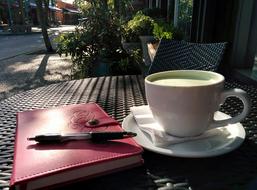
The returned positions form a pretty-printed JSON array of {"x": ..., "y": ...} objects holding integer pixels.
[{"x": 49, "y": 165}]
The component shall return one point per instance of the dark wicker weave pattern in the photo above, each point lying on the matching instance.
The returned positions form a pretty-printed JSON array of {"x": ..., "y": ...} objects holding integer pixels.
[
  {"x": 177, "y": 55},
  {"x": 116, "y": 95}
]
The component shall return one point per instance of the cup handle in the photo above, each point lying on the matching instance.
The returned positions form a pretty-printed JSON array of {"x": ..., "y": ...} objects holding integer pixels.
[{"x": 241, "y": 94}]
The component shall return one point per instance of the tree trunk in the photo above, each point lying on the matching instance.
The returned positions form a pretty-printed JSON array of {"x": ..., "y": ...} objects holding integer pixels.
[
  {"x": 44, "y": 25},
  {"x": 47, "y": 11},
  {"x": 21, "y": 10}
]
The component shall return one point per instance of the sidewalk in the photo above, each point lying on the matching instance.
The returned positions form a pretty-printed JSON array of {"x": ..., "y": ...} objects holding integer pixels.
[{"x": 33, "y": 70}]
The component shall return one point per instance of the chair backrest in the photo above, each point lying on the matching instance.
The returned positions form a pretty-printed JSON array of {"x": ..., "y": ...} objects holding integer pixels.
[{"x": 181, "y": 55}]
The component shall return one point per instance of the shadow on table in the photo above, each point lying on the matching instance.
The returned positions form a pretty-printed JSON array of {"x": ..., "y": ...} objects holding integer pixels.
[{"x": 235, "y": 170}]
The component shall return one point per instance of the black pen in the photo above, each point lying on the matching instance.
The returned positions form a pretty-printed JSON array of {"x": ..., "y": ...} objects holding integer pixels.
[{"x": 93, "y": 136}]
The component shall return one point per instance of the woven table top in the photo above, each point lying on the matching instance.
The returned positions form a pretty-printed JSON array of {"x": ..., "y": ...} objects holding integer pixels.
[{"x": 116, "y": 94}]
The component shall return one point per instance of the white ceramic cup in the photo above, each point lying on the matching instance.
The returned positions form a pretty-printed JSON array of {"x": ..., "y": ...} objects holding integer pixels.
[{"x": 184, "y": 105}]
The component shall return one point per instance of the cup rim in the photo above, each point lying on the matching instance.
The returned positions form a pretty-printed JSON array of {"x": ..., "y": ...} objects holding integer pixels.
[{"x": 220, "y": 78}]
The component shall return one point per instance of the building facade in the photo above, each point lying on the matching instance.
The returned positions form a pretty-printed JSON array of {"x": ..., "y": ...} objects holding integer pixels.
[
  {"x": 69, "y": 13},
  {"x": 9, "y": 12}
]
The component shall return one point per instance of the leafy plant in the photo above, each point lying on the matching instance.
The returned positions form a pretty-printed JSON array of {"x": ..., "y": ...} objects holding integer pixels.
[
  {"x": 97, "y": 35},
  {"x": 128, "y": 65},
  {"x": 164, "y": 30},
  {"x": 77, "y": 46},
  {"x": 139, "y": 25},
  {"x": 142, "y": 25}
]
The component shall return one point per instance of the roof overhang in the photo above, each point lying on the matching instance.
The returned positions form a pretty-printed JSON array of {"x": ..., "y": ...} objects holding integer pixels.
[{"x": 50, "y": 7}]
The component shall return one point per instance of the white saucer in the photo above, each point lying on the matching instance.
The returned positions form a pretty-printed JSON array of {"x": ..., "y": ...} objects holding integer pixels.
[{"x": 232, "y": 136}]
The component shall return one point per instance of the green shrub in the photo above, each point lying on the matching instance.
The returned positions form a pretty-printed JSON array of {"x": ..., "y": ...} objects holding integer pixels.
[
  {"x": 140, "y": 25},
  {"x": 164, "y": 30},
  {"x": 128, "y": 65},
  {"x": 97, "y": 35}
]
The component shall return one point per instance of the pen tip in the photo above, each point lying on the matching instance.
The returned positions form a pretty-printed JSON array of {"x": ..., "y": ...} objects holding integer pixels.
[{"x": 30, "y": 139}]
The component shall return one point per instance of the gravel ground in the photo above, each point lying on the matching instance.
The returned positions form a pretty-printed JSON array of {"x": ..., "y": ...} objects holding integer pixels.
[{"x": 30, "y": 71}]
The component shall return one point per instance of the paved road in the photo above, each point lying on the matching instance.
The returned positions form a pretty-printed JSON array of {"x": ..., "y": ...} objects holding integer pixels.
[{"x": 11, "y": 46}]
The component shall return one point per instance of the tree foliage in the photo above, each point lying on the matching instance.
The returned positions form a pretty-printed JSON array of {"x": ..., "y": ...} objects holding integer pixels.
[
  {"x": 98, "y": 34},
  {"x": 139, "y": 25}
]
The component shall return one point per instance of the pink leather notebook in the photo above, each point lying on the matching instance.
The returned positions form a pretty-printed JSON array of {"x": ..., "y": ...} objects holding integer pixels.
[{"x": 48, "y": 165}]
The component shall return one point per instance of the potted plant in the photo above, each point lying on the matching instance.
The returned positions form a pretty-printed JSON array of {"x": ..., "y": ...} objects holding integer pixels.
[
  {"x": 95, "y": 43},
  {"x": 163, "y": 30},
  {"x": 139, "y": 25}
]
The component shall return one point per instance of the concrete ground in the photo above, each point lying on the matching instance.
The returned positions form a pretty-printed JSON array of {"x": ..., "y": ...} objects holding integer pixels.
[
  {"x": 24, "y": 63},
  {"x": 30, "y": 71}
]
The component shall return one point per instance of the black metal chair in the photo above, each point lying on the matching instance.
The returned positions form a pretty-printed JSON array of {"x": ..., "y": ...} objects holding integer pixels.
[{"x": 181, "y": 55}]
